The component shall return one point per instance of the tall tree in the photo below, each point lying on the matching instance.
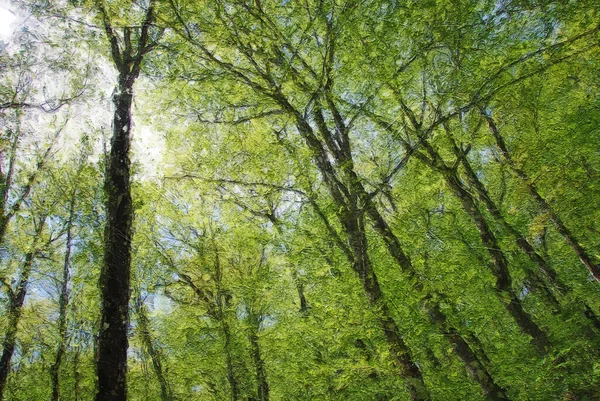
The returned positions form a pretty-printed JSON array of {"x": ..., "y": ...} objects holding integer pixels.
[{"x": 115, "y": 278}]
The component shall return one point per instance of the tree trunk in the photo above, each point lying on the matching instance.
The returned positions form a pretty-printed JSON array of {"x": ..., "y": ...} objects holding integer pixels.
[
  {"x": 569, "y": 237},
  {"x": 115, "y": 279},
  {"x": 259, "y": 363},
  {"x": 475, "y": 368},
  {"x": 233, "y": 384},
  {"x": 399, "y": 351},
  {"x": 301, "y": 296},
  {"x": 63, "y": 302},
  {"x": 216, "y": 311},
  {"x": 545, "y": 270},
  {"x": 76, "y": 375},
  {"x": 111, "y": 364},
  {"x": 15, "y": 306},
  {"x": 499, "y": 263},
  {"x": 499, "y": 269},
  {"x": 350, "y": 216},
  {"x": 543, "y": 267},
  {"x": 144, "y": 330},
  {"x": 8, "y": 211}
]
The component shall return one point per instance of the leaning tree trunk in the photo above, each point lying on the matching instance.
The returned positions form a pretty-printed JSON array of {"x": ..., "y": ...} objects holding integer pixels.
[
  {"x": 350, "y": 216},
  {"x": 153, "y": 352},
  {"x": 9, "y": 209},
  {"x": 585, "y": 258},
  {"x": 499, "y": 264},
  {"x": 111, "y": 364},
  {"x": 301, "y": 296},
  {"x": 544, "y": 268},
  {"x": 546, "y": 276},
  {"x": 473, "y": 364},
  {"x": 362, "y": 265},
  {"x": 15, "y": 306},
  {"x": 394, "y": 247}
]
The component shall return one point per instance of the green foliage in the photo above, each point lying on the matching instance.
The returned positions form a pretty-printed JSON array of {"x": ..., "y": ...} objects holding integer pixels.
[{"x": 245, "y": 258}]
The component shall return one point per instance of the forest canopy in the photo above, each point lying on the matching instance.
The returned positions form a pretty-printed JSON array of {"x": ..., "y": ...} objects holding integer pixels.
[{"x": 255, "y": 200}]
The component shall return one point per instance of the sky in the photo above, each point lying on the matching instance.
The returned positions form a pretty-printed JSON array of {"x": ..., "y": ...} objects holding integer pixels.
[
  {"x": 6, "y": 19},
  {"x": 148, "y": 144}
]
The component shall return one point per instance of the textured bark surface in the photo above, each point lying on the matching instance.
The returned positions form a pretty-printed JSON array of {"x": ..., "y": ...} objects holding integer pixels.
[
  {"x": 347, "y": 193},
  {"x": 216, "y": 302},
  {"x": 399, "y": 350},
  {"x": 115, "y": 280},
  {"x": 111, "y": 363},
  {"x": 231, "y": 378},
  {"x": 9, "y": 207},
  {"x": 301, "y": 296},
  {"x": 545, "y": 270},
  {"x": 499, "y": 265},
  {"x": 475, "y": 368}
]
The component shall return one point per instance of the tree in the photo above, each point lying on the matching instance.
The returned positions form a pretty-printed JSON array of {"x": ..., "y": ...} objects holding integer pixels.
[{"x": 115, "y": 278}]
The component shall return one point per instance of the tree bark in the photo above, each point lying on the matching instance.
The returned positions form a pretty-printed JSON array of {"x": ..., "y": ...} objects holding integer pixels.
[
  {"x": 7, "y": 210},
  {"x": 350, "y": 215},
  {"x": 499, "y": 264},
  {"x": 399, "y": 351},
  {"x": 115, "y": 279},
  {"x": 499, "y": 269},
  {"x": 546, "y": 278},
  {"x": 76, "y": 375},
  {"x": 569, "y": 237},
  {"x": 474, "y": 366},
  {"x": 63, "y": 302},
  {"x": 259, "y": 363},
  {"x": 153, "y": 352},
  {"x": 215, "y": 305},
  {"x": 544, "y": 267},
  {"x": 233, "y": 383},
  {"x": 301, "y": 295},
  {"x": 15, "y": 306},
  {"x": 111, "y": 364}
]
